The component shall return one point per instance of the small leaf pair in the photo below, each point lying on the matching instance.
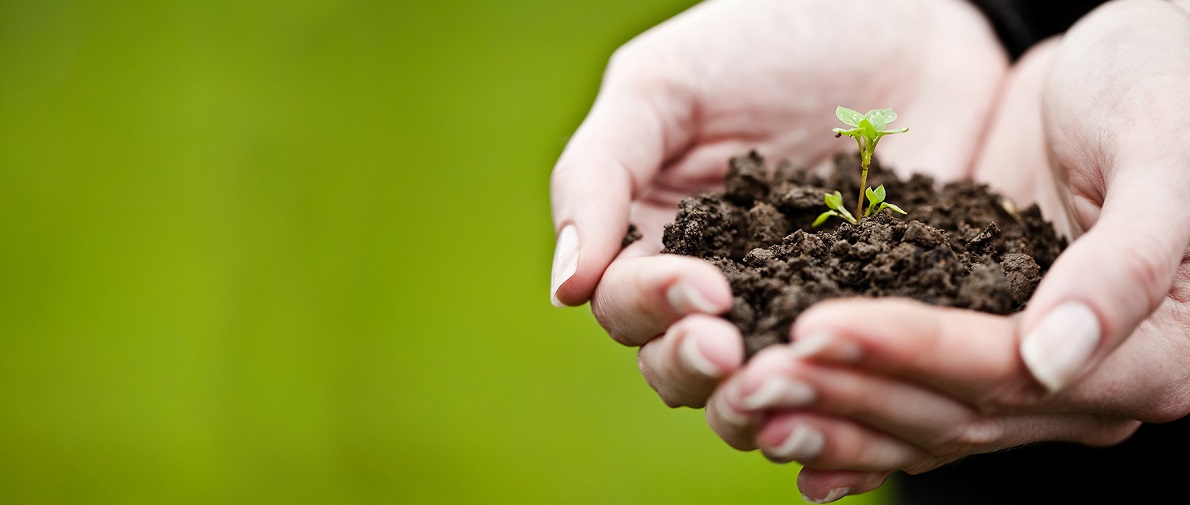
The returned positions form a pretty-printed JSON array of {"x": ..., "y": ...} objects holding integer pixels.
[
  {"x": 876, "y": 202},
  {"x": 870, "y": 125},
  {"x": 834, "y": 201}
]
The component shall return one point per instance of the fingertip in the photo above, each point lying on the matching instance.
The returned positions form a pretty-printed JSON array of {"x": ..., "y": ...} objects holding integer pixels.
[
  {"x": 581, "y": 256},
  {"x": 686, "y": 363},
  {"x": 713, "y": 346},
  {"x": 783, "y": 439},
  {"x": 828, "y": 315},
  {"x": 1058, "y": 349},
  {"x": 639, "y": 297},
  {"x": 827, "y": 331},
  {"x": 826, "y": 486},
  {"x": 733, "y": 426},
  {"x": 565, "y": 264}
]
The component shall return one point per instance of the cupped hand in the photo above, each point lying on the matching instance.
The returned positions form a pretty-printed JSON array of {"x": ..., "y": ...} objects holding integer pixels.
[
  {"x": 870, "y": 387},
  {"x": 723, "y": 78}
]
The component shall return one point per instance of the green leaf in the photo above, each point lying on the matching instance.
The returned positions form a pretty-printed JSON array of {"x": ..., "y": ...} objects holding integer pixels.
[
  {"x": 894, "y": 208},
  {"x": 823, "y": 217},
  {"x": 846, "y": 215},
  {"x": 879, "y": 193},
  {"x": 848, "y": 116},
  {"x": 880, "y": 117},
  {"x": 833, "y": 200},
  {"x": 866, "y": 129},
  {"x": 874, "y": 197}
]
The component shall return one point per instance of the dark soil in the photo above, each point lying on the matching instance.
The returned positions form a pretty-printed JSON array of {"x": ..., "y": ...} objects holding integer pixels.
[{"x": 960, "y": 246}]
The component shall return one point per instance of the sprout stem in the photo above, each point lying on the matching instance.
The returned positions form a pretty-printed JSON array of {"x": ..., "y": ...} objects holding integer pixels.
[
  {"x": 863, "y": 183},
  {"x": 864, "y": 157}
]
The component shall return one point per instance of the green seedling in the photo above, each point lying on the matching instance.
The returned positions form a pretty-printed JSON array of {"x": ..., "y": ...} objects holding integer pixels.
[
  {"x": 835, "y": 202},
  {"x": 867, "y": 130},
  {"x": 876, "y": 204}
]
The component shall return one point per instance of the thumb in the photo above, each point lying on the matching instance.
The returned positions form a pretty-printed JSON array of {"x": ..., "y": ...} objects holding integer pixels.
[
  {"x": 610, "y": 159},
  {"x": 1109, "y": 280}
]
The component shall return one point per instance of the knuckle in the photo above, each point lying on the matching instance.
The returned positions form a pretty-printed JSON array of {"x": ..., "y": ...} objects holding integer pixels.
[
  {"x": 1013, "y": 396},
  {"x": 980, "y": 433},
  {"x": 973, "y": 436},
  {"x": 564, "y": 174},
  {"x": 630, "y": 59},
  {"x": 1150, "y": 272}
]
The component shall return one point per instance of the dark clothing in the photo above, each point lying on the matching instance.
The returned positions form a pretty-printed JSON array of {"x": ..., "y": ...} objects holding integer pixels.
[
  {"x": 1153, "y": 466},
  {"x": 1022, "y": 23}
]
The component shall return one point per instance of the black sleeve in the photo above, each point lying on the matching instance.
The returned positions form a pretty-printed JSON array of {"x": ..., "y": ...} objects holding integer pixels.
[
  {"x": 1022, "y": 23},
  {"x": 1153, "y": 466}
]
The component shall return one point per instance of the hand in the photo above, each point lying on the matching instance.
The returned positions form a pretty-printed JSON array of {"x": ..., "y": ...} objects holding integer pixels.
[
  {"x": 1103, "y": 342},
  {"x": 723, "y": 78}
]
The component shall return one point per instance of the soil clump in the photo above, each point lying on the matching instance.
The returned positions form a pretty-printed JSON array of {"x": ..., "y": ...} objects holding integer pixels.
[{"x": 960, "y": 245}]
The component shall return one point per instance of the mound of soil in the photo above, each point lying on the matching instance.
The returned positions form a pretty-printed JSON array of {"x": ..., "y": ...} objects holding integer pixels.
[{"x": 959, "y": 246}]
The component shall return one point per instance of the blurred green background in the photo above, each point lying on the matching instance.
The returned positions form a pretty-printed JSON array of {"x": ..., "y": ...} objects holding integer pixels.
[{"x": 298, "y": 252}]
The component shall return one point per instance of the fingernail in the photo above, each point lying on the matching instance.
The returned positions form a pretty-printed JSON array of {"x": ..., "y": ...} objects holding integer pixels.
[
  {"x": 825, "y": 346},
  {"x": 835, "y": 495},
  {"x": 1058, "y": 348},
  {"x": 693, "y": 358},
  {"x": 565, "y": 262},
  {"x": 779, "y": 392},
  {"x": 685, "y": 299},
  {"x": 726, "y": 413},
  {"x": 802, "y": 444}
]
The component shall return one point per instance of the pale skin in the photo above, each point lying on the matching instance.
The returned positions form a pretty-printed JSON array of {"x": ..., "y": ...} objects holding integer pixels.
[{"x": 1094, "y": 127}]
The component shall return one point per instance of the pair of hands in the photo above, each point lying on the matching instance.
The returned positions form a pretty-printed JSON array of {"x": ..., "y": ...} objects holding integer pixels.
[{"x": 1095, "y": 128}]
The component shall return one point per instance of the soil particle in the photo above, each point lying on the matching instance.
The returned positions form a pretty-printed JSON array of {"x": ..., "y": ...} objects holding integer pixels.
[{"x": 959, "y": 246}]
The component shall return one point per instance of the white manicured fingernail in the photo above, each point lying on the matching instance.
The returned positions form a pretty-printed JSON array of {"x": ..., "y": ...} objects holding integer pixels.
[
  {"x": 685, "y": 299},
  {"x": 779, "y": 392},
  {"x": 1058, "y": 348},
  {"x": 825, "y": 346},
  {"x": 691, "y": 355},
  {"x": 565, "y": 262},
  {"x": 727, "y": 414},
  {"x": 835, "y": 495},
  {"x": 803, "y": 443}
]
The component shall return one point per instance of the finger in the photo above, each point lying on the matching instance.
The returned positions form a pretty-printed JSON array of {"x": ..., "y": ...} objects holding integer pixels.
[
  {"x": 1121, "y": 143},
  {"x": 734, "y": 425},
  {"x": 686, "y": 363},
  {"x": 825, "y": 486},
  {"x": 738, "y": 430},
  {"x": 639, "y": 298},
  {"x": 969, "y": 355},
  {"x": 610, "y": 159},
  {"x": 835, "y": 444},
  {"x": 1102, "y": 287},
  {"x": 920, "y": 416}
]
